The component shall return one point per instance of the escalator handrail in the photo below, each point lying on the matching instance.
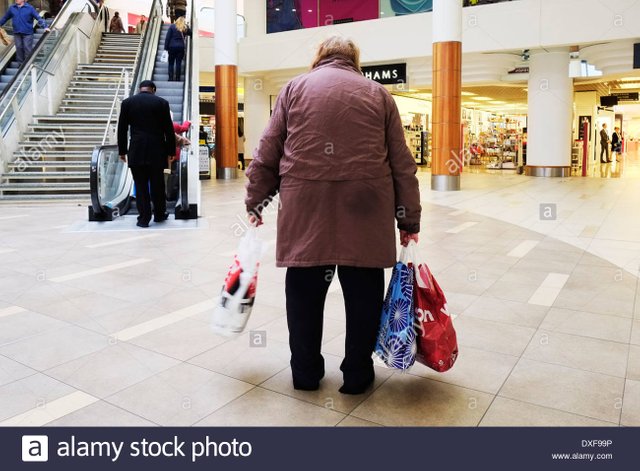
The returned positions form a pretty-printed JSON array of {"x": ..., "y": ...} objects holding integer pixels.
[
  {"x": 120, "y": 199},
  {"x": 148, "y": 45},
  {"x": 183, "y": 168},
  {"x": 40, "y": 44}
]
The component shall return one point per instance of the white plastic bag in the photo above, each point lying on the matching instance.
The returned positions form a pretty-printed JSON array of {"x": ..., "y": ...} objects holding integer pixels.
[
  {"x": 164, "y": 57},
  {"x": 239, "y": 290}
]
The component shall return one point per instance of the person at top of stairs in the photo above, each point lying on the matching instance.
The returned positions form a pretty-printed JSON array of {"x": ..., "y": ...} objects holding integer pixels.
[
  {"x": 174, "y": 43},
  {"x": 22, "y": 15},
  {"x": 116, "y": 24}
]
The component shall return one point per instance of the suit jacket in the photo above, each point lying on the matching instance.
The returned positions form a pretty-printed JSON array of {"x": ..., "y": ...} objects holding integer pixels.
[
  {"x": 604, "y": 137},
  {"x": 152, "y": 138}
]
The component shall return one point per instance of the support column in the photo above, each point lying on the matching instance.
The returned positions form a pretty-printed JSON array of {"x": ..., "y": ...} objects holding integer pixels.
[
  {"x": 550, "y": 114},
  {"x": 226, "y": 72},
  {"x": 447, "y": 87}
]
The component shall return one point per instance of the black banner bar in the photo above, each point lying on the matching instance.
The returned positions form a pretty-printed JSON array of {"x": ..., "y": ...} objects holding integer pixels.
[{"x": 309, "y": 449}]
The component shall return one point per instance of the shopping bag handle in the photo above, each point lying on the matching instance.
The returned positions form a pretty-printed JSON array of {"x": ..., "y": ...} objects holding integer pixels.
[{"x": 409, "y": 253}]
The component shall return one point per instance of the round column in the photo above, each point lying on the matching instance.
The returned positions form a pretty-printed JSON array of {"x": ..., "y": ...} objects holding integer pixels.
[
  {"x": 550, "y": 114},
  {"x": 226, "y": 76},
  {"x": 446, "y": 163}
]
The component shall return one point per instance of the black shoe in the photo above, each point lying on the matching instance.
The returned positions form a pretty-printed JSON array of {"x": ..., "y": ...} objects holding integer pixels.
[
  {"x": 357, "y": 387},
  {"x": 306, "y": 385},
  {"x": 142, "y": 224},
  {"x": 161, "y": 219}
]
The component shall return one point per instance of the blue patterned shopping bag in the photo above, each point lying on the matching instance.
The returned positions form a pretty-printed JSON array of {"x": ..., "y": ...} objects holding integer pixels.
[{"x": 396, "y": 344}]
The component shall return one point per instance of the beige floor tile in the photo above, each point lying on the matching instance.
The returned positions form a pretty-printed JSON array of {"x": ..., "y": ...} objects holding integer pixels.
[
  {"x": 182, "y": 340},
  {"x": 579, "y": 392},
  {"x": 635, "y": 333},
  {"x": 11, "y": 371},
  {"x": 509, "y": 413},
  {"x": 260, "y": 407},
  {"x": 631, "y": 404},
  {"x": 245, "y": 360},
  {"x": 279, "y": 331},
  {"x": 583, "y": 353},
  {"x": 598, "y": 326},
  {"x": 512, "y": 291},
  {"x": 30, "y": 393},
  {"x": 350, "y": 421},
  {"x": 492, "y": 336},
  {"x": 633, "y": 368},
  {"x": 335, "y": 346},
  {"x": 474, "y": 369},
  {"x": 180, "y": 396},
  {"x": 408, "y": 400},
  {"x": 509, "y": 312},
  {"x": 327, "y": 396},
  {"x": 26, "y": 324},
  {"x": 101, "y": 414},
  {"x": 48, "y": 349},
  {"x": 112, "y": 369},
  {"x": 124, "y": 317}
]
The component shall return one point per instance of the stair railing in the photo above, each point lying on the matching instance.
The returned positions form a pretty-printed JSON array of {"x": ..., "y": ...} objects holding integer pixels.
[
  {"x": 43, "y": 82},
  {"x": 123, "y": 82}
]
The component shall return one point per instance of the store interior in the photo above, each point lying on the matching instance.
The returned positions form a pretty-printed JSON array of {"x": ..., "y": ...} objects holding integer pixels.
[{"x": 494, "y": 122}]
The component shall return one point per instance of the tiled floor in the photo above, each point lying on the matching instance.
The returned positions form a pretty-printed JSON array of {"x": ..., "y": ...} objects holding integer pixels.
[{"x": 107, "y": 324}]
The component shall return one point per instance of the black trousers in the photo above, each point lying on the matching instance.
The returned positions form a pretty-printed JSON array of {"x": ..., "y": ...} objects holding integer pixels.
[
  {"x": 175, "y": 63},
  {"x": 146, "y": 176},
  {"x": 306, "y": 291},
  {"x": 604, "y": 149}
]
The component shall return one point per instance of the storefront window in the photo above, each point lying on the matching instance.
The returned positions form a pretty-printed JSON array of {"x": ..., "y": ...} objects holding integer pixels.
[{"x": 287, "y": 15}]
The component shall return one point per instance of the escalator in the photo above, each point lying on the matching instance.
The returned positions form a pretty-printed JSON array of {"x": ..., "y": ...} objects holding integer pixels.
[{"x": 112, "y": 189}]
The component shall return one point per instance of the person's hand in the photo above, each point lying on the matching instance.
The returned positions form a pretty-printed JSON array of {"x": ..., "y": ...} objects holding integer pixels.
[
  {"x": 124, "y": 158},
  {"x": 47, "y": 30},
  {"x": 406, "y": 237},
  {"x": 186, "y": 142},
  {"x": 253, "y": 220}
]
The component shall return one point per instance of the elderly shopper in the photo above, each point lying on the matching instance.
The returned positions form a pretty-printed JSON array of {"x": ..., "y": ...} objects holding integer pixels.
[{"x": 335, "y": 151}]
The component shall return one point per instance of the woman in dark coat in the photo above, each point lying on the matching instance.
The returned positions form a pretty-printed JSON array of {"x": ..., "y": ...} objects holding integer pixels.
[
  {"x": 174, "y": 44},
  {"x": 335, "y": 151}
]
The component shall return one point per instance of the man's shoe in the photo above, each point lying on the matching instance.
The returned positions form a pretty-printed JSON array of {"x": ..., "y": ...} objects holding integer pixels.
[{"x": 142, "y": 224}]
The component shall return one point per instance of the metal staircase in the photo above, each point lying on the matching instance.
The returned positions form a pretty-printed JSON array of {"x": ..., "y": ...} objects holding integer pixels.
[{"x": 53, "y": 158}]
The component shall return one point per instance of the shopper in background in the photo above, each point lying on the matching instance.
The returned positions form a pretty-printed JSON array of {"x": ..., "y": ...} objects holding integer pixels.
[
  {"x": 241, "y": 141},
  {"x": 174, "y": 43},
  {"x": 604, "y": 144},
  {"x": 141, "y": 26},
  {"x": 22, "y": 16},
  {"x": 148, "y": 119},
  {"x": 116, "y": 24},
  {"x": 176, "y": 9},
  {"x": 616, "y": 144},
  {"x": 335, "y": 151}
]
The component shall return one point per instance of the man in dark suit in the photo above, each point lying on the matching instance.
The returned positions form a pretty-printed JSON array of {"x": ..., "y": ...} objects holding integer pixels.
[
  {"x": 152, "y": 142},
  {"x": 604, "y": 144}
]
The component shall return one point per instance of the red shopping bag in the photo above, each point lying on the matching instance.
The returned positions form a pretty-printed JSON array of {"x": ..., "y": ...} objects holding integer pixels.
[{"x": 435, "y": 336}]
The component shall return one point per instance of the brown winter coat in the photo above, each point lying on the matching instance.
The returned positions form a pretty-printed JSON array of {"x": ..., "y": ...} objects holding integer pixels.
[{"x": 335, "y": 151}]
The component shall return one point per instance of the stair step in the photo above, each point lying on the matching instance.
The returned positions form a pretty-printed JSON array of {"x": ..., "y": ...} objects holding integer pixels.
[
  {"x": 45, "y": 186},
  {"x": 80, "y": 196},
  {"x": 53, "y": 164},
  {"x": 28, "y": 175}
]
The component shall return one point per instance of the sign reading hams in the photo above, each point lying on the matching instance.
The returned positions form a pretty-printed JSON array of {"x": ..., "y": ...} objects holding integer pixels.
[{"x": 389, "y": 74}]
